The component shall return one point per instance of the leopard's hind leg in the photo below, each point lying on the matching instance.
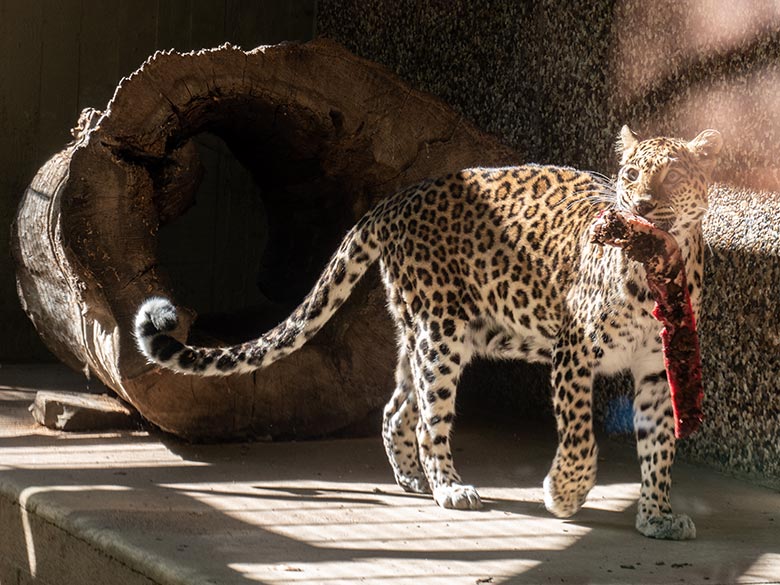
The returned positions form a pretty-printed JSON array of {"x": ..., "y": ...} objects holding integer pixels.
[
  {"x": 399, "y": 429},
  {"x": 437, "y": 356}
]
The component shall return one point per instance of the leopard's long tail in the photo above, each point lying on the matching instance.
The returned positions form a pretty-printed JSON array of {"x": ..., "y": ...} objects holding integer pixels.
[{"x": 157, "y": 316}]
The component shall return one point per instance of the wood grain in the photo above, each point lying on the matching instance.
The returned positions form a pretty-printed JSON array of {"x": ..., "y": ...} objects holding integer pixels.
[{"x": 324, "y": 135}]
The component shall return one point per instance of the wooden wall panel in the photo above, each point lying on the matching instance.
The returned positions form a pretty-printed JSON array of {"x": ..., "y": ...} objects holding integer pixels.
[{"x": 57, "y": 57}]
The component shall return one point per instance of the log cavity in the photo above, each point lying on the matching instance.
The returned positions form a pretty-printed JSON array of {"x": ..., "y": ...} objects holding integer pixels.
[{"x": 252, "y": 239}]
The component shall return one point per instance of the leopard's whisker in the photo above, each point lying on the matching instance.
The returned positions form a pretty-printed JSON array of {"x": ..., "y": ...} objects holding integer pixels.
[{"x": 601, "y": 176}]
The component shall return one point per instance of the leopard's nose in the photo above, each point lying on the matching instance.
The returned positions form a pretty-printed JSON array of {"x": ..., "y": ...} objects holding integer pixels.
[{"x": 644, "y": 206}]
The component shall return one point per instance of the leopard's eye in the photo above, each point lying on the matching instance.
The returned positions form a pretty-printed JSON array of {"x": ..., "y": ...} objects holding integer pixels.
[
  {"x": 672, "y": 176},
  {"x": 631, "y": 174}
]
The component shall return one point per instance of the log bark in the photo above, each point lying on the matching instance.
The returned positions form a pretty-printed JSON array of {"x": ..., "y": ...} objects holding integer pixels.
[{"x": 310, "y": 118}]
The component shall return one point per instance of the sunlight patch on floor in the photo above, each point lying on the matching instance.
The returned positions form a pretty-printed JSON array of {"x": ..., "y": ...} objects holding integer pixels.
[
  {"x": 391, "y": 537},
  {"x": 91, "y": 455},
  {"x": 613, "y": 497},
  {"x": 764, "y": 570},
  {"x": 378, "y": 571}
]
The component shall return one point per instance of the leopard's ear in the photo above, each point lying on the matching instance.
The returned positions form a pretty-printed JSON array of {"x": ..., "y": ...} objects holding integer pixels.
[
  {"x": 706, "y": 147},
  {"x": 625, "y": 142}
]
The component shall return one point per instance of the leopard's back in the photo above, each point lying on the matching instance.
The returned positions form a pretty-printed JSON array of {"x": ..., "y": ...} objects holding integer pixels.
[{"x": 491, "y": 245}]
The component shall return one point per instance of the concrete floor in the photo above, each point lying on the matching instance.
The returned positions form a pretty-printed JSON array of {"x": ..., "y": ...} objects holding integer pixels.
[{"x": 135, "y": 508}]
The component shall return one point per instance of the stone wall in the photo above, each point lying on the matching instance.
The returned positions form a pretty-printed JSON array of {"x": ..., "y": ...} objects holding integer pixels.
[{"x": 556, "y": 80}]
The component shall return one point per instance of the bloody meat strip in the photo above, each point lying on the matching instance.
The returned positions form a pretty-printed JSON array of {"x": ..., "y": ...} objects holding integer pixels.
[{"x": 660, "y": 255}]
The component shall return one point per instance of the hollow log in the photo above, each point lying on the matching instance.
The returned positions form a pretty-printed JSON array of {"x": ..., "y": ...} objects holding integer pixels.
[{"x": 324, "y": 133}]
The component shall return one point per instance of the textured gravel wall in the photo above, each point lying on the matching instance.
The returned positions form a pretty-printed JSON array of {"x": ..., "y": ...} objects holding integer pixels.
[
  {"x": 740, "y": 332},
  {"x": 557, "y": 79}
]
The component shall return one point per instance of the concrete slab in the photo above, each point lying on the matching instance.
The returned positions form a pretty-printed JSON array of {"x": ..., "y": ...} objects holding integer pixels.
[{"x": 139, "y": 508}]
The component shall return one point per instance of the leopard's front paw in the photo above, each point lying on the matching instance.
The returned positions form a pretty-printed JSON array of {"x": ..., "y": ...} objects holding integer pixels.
[
  {"x": 666, "y": 526},
  {"x": 462, "y": 497},
  {"x": 564, "y": 500}
]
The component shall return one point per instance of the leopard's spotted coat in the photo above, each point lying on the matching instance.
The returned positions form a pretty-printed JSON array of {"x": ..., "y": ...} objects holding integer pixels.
[{"x": 497, "y": 262}]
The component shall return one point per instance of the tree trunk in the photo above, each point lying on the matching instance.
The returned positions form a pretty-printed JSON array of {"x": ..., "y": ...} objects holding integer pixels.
[{"x": 312, "y": 123}]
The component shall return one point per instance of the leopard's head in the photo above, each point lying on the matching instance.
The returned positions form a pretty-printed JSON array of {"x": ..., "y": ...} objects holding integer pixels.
[{"x": 665, "y": 179}]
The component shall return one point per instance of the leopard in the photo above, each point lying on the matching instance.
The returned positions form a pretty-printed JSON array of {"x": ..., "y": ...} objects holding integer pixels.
[{"x": 497, "y": 263}]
